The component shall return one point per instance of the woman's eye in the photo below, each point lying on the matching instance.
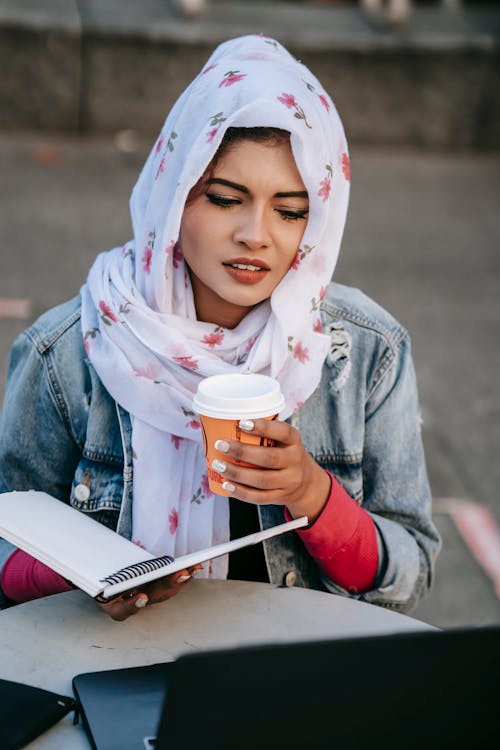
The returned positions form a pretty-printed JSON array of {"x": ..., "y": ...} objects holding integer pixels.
[
  {"x": 289, "y": 215},
  {"x": 222, "y": 200}
]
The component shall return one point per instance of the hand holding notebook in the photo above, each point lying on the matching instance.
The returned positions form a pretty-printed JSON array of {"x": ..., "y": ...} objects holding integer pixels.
[{"x": 93, "y": 557}]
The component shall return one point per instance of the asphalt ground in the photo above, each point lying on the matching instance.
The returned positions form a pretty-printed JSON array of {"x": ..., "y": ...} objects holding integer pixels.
[{"x": 422, "y": 238}]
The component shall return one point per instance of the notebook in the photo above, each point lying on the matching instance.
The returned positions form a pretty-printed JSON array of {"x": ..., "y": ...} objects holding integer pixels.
[
  {"x": 96, "y": 559},
  {"x": 406, "y": 691}
]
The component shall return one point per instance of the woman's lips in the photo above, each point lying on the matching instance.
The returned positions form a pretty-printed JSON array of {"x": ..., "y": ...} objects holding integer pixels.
[{"x": 246, "y": 271}]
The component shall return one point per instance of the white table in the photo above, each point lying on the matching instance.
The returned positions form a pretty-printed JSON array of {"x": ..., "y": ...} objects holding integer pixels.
[{"x": 48, "y": 641}]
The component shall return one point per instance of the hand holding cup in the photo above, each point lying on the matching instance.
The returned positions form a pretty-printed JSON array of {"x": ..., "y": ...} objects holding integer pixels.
[{"x": 250, "y": 454}]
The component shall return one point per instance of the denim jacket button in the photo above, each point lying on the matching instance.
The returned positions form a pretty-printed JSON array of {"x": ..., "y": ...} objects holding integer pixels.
[
  {"x": 290, "y": 578},
  {"x": 82, "y": 492}
]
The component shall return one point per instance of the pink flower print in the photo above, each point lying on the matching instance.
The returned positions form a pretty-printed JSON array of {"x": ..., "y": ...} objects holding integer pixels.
[
  {"x": 296, "y": 261},
  {"x": 138, "y": 543},
  {"x": 192, "y": 422},
  {"x": 170, "y": 247},
  {"x": 213, "y": 339},
  {"x": 301, "y": 353},
  {"x": 176, "y": 440},
  {"x": 251, "y": 341},
  {"x": 232, "y": 76},
  {"x": 346, "y": 167},
  {"x": 205, "y": 488},
  {"x": 107, "y": 314},
  {"x": 211, "y": 134},
  {"x": 90, "y": 334},
  {"x": 318, "y": 326},
  {"x": 147, "y": 257},
  {"x": 173, "y": 521},
  {"x": 149, "y": 371},
  {"x": 189, "y": 362},
  {"x": 160, "y": 143},
  {"x": 161, "y": 168},
  {"x": 177, "y": 255},
  {"x": 322, "y": 292},
  {"x": 207, "y": 70},
  {"x": 324, "y": 101},
  {"x": 288, "y": 100},
  {"x": 324, "y": 189},
  {"x": 301, "y": 253}
]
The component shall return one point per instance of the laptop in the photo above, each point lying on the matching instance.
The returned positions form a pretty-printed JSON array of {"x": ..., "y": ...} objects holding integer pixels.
[{"x": 429, "y": 689}]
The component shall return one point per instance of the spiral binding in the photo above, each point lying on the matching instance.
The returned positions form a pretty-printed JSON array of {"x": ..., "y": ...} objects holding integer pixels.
[{"x": 132, "y": 571}]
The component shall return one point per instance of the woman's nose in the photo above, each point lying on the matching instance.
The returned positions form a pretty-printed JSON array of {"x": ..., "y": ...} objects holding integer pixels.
[{"x": 252, "y": 229}]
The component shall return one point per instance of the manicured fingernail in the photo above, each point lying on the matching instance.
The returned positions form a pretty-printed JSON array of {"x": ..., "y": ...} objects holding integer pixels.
[
  {"x": 141, "y": 602},
  {"x": 221, "y": 445},
  {"x": 183, "y": 579},
  {"x": 247, "y": 424},
  {"x": 228, "y": 486},
  {"x": 219, "y": 466}
]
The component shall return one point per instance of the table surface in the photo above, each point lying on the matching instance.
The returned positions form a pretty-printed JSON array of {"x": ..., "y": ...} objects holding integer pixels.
[{"x": 48, "y": 641}]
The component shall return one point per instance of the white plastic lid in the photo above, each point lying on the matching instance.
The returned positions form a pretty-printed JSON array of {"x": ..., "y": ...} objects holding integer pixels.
[{"x": 239, "y": 397}]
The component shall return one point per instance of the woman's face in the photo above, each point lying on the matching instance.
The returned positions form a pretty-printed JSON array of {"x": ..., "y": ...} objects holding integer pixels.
[{"x": 240, "y": 235}]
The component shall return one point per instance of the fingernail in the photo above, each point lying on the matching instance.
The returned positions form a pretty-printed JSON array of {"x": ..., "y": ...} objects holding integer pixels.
[
  {"x": 247, "y": 424},
  {"x": 183, "y": 579},
  {"x": 228, "y": 486},
  {"x": 141, "y": 602},
  {"x": 219, "y": 466},
  {"x": 221, "y": 445}
]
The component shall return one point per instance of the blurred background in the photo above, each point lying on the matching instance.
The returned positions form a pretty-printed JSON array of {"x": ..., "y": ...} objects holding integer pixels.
[{"x": 85, "y": 87}]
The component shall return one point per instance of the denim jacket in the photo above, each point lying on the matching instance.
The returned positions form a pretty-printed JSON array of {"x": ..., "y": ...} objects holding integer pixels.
[{"x": 61, "y": 432}]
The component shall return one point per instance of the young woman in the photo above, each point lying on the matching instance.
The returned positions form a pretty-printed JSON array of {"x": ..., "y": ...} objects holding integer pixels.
[{"x": 237, "y": 219}]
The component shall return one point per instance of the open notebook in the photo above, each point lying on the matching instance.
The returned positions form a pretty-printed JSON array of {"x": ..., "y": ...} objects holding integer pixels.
[{"x": 96, "y": 559}]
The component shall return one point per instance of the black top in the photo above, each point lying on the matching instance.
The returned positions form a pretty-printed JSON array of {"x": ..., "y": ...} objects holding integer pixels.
[{"x": 248, "y": 563}]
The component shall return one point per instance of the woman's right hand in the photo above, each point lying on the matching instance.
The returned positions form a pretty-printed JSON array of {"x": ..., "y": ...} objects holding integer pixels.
[{"x": 131, "y": 602}]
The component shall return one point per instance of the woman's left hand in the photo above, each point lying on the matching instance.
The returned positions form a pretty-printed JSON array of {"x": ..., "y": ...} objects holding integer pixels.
[{"x": 285, "y": 474}]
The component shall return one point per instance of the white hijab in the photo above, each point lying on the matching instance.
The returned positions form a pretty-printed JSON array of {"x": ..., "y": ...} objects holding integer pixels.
[{"x": 138, "y": 314}]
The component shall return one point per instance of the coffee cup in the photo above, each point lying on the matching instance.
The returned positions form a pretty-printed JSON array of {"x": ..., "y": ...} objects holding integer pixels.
[{"x": 221, "y": 401}]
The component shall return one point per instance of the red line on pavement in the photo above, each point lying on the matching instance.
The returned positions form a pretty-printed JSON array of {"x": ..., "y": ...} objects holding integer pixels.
[
  {"x": 479, "y": 529},
  {"x": 11, "y": 307}
]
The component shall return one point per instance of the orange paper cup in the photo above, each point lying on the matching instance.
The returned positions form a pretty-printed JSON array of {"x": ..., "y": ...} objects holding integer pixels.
[{"x": 221, "y": 401}]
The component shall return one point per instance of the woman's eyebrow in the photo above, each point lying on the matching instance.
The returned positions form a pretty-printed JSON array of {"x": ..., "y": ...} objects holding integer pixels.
[
  {"x": 293, "y": 194},
  {"x": 243, "y": 189},
  {"x": 227, "y": 183}
]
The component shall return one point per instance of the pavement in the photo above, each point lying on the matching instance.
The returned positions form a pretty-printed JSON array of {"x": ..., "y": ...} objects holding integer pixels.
[{"x": 421, "y": 238}]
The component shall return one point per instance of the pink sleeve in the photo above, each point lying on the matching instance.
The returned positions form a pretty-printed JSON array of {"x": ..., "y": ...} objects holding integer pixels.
[
  {"x": 23, "y": 578},
  {"x": 343, "y": 541}
]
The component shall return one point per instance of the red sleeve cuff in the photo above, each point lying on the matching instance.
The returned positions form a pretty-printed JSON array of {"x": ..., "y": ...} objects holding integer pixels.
[
  {"x": 24, "y": 578},
  {"x": 343, "y": 541}
]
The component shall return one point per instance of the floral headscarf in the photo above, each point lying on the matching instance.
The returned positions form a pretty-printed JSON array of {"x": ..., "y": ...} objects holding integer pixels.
[{"x": 138, "y": 314}]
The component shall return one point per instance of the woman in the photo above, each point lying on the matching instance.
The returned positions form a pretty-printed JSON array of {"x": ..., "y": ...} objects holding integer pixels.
[{"x": 237, "y": 218}]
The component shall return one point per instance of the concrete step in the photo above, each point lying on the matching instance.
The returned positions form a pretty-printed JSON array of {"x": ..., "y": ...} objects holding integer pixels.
[{"x": 87, "y": 66}]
